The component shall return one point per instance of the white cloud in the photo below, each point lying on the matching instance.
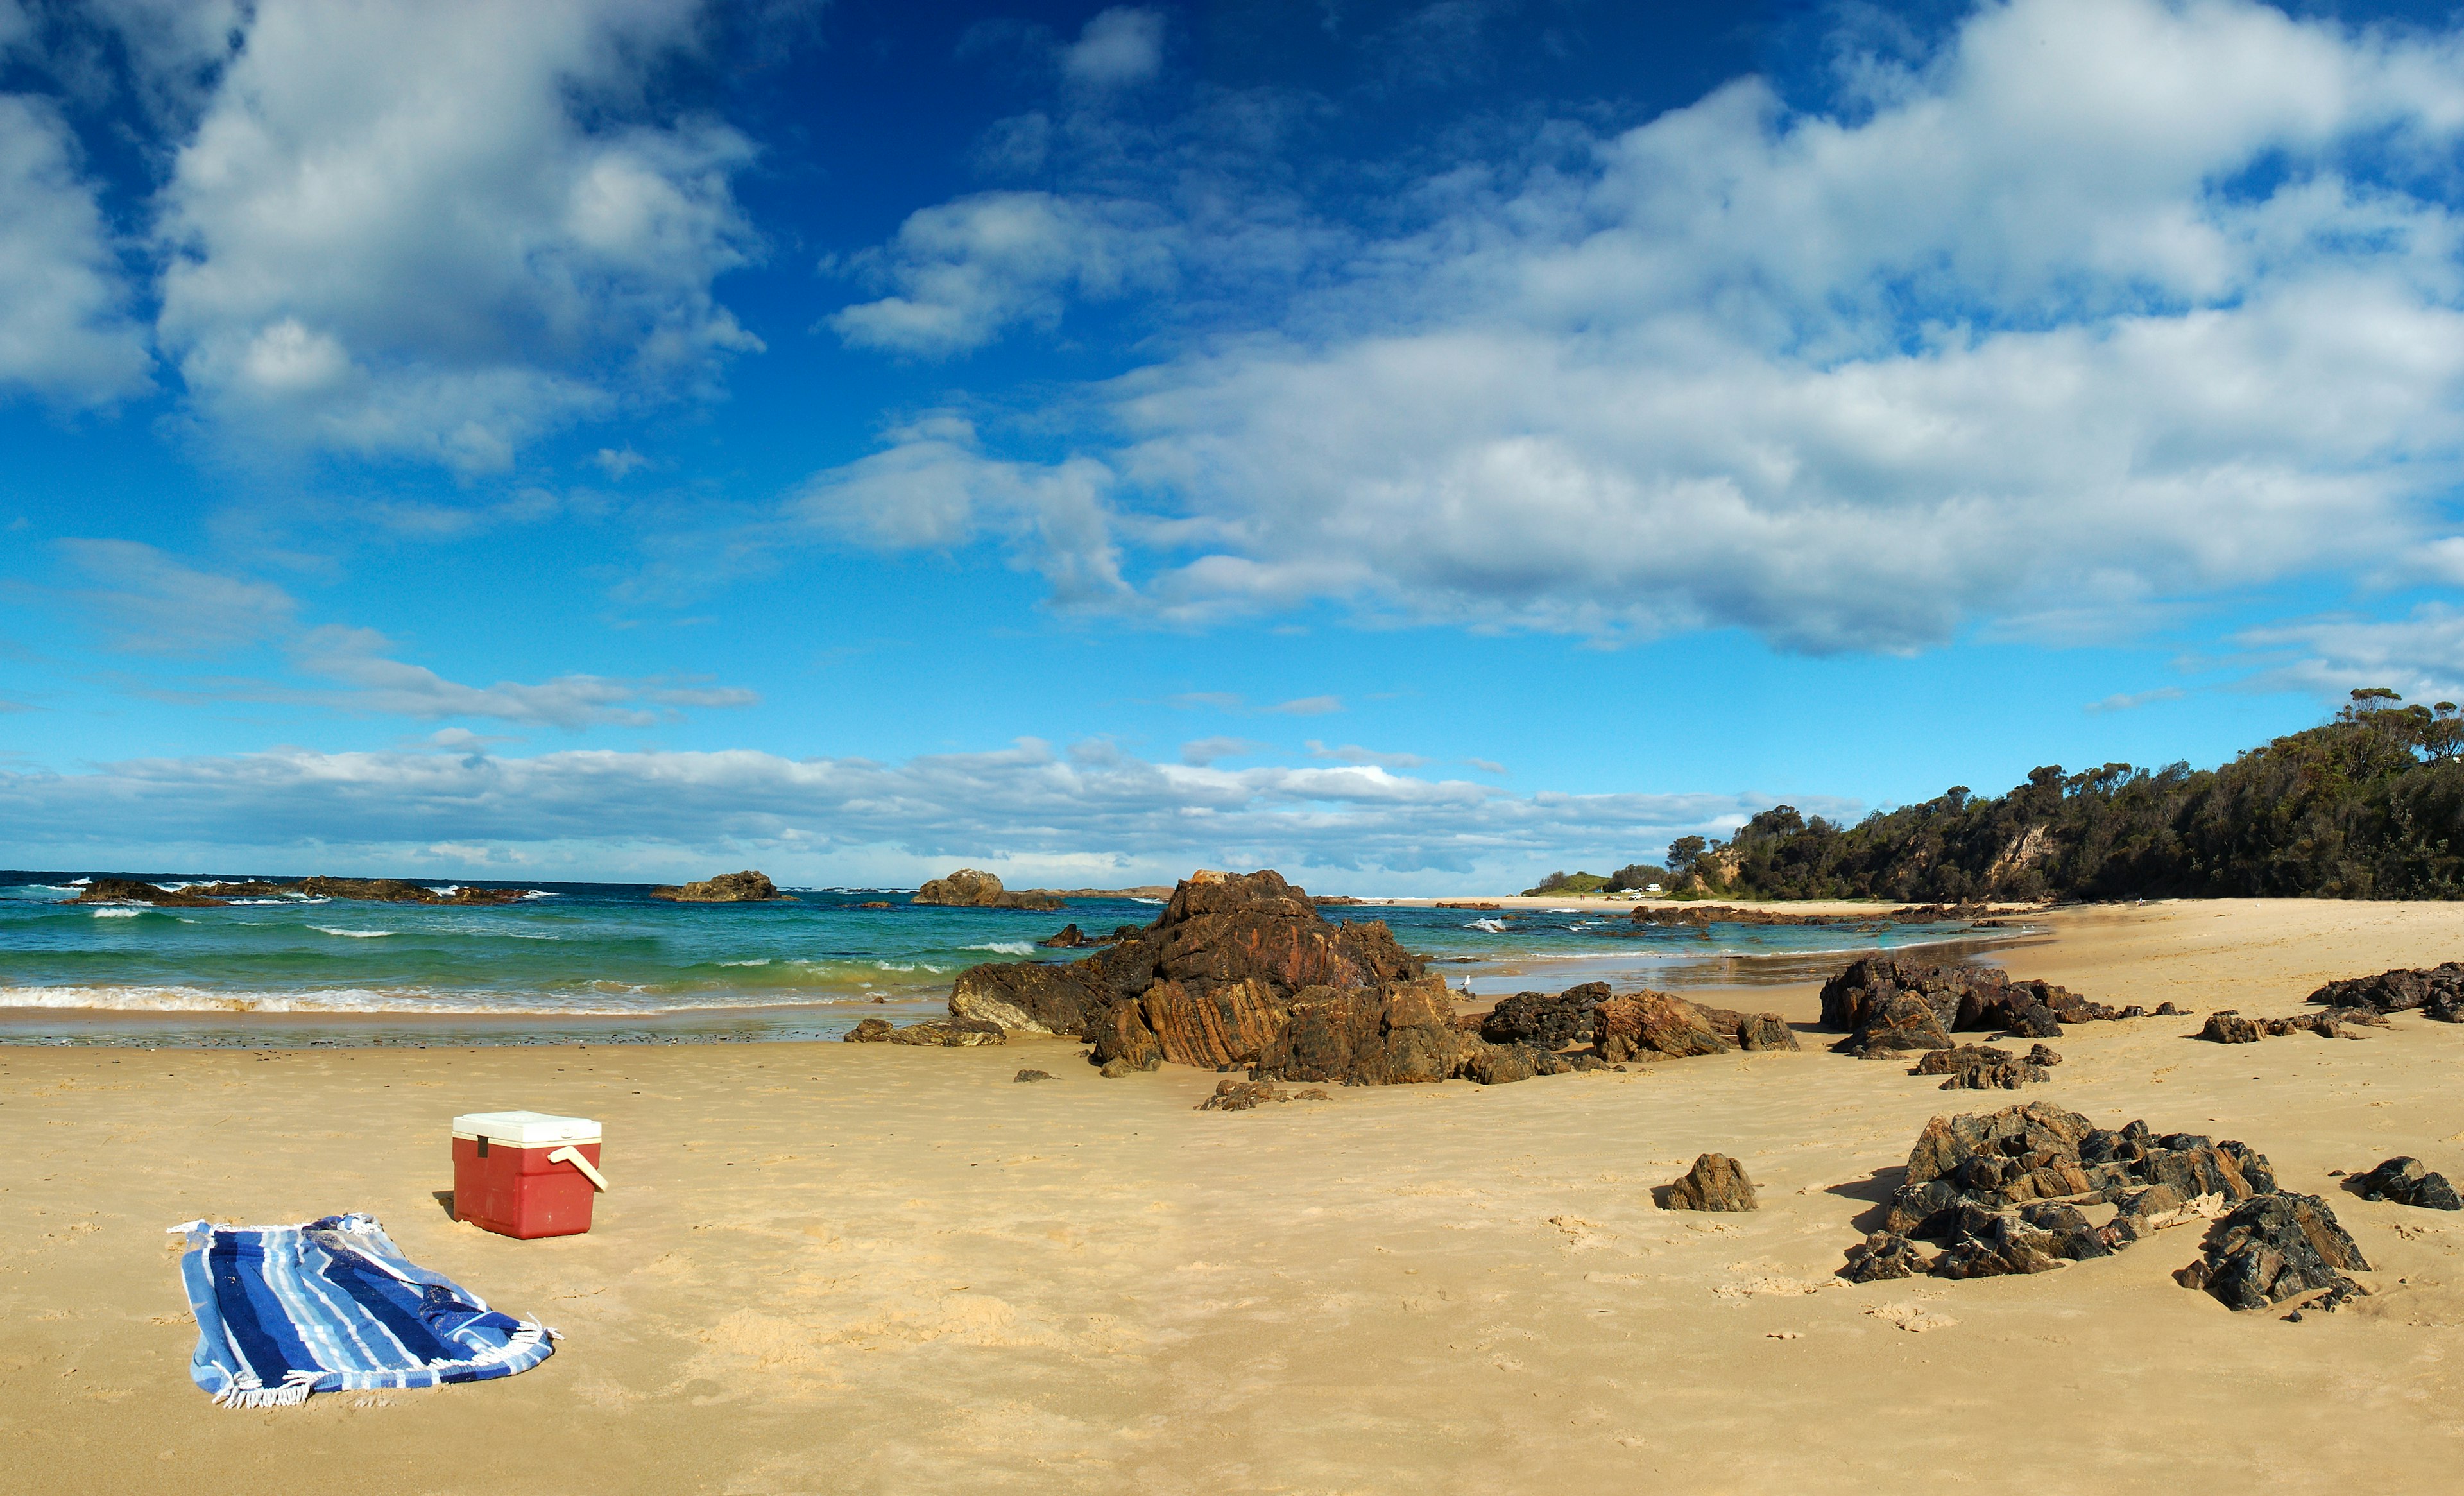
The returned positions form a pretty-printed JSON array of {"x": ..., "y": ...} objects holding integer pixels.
[
  {"x": 435, "y": 231},
  {"x": 1353, "y": 753},
  {"x": 2107, "y": 304},
  {"x": 969, "y": 269},
  {"x": 1205, "y": 751},
  {"x": 2421, "y": 656},
  {"x": 1308, "y": 706},
  {"x": 2130, "y": 700},
  {"x": 147, "y": 603},
  {"x": 65, "y": 331},
  {"x": 1026, "y": 805},
  {"x": 1119, "y": 46},
  {"x": 934, "y": 489}
]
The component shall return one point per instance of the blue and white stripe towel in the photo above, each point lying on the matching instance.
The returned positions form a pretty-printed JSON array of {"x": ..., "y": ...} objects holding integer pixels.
[{"x": 283, "y": 1312}]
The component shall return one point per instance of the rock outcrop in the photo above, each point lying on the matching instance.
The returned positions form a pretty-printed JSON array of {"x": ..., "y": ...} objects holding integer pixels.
[
  {"x": 1715, "y": 1182},
  {"x": 953, "y": 1033},
  {"x": 1891, "y": 1008},
  {"x": 969, "y": 887},
  {"x": 2437, "y": 991},
  {"x": 206, "y": 895},
  {"x": 2227, "y": 1025},
  {"x": 1238, "y": 1095},
  {"x": 2008, "y": 1193},
  {"x": 728, "y": 887},
  {"x": 1984, "y": 1067},
  {"x": 128, "y": 891},
  {"x": 2407, "y": 1182},
  {"x": 2274, "y": 1247}
]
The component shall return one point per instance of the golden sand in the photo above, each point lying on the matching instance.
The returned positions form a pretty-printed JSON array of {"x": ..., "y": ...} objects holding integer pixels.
[{"x": 831, "y": 1267}]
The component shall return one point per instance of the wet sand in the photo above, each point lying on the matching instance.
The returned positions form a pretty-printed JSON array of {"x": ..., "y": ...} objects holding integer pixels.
[{"x": 829, "y": 1268}]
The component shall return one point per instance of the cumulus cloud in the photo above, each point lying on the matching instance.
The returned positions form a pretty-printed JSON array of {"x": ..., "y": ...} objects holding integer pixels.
[
  {"x": 934, "y": 488},
  {"x": 1026, "y": 802},
  {"x": 435, "y": 231},
  {"x": 2102, "y": 304},
  {"x": 66, "y": 332},
  {"x": 1119, "y": 46},
  {"x": 1204, "y": 751},
  {"x": 969, "y": 269},
  {"x": 2420, "y": 655}
]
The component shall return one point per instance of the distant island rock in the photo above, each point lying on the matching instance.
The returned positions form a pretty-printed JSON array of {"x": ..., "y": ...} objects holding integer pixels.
[
  {"x": 209, "y": 895},
  {"x": 728, "y": 887},
  {"x": 968, "y": 888}
]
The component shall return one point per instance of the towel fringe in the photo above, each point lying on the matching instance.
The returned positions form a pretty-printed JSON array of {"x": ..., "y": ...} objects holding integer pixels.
[{"x": 245, "y": 1391}]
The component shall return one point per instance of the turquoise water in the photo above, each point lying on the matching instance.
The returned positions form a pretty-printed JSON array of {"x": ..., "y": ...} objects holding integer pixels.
[{"x": 607, "y": 960}]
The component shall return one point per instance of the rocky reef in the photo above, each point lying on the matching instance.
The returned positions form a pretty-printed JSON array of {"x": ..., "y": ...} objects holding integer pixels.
[
  {"x": 728, "y": 887},
  {"x": 208, "y": 895},
  {"x": 971, "y": 888},
  {"x": 2227, "y": 1025}
]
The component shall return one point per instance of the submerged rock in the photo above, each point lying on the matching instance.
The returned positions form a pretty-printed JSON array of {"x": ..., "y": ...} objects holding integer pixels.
[
  {"x": 728, "y": 887},
  {"x": 128, "y": 891},
  {"x": 1715, "y": 1182}
]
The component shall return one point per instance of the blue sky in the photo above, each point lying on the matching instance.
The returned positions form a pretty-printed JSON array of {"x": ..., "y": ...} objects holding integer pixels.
[{"x": 1416, "y": 445}]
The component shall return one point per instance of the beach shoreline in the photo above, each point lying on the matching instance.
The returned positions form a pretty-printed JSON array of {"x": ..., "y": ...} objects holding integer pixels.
[{"x": 839, "y": 1267}]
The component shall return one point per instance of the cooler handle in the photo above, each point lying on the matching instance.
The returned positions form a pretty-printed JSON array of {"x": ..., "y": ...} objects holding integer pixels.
[{"x": 573, "y": 1156}]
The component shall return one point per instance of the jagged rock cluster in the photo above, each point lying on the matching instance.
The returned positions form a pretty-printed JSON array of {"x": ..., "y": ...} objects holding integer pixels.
[
  {"x": 1715, "y": 1182},
  {"x": 2008, "y": 1193},
  {"x": 2273, "y": 1248},
  {"x": 728, "y": 887},
  {"x": 1984, "y": 1067},
  {"x": 1243, "y": 970},
  {"x": 2227, "y": 1025},
  {"x": 2407, "y": 1182},
  {"x": 1892, "y": 1007},
  {"x": 969, "y": 887},
  {"x": 2437, "y": 991}
]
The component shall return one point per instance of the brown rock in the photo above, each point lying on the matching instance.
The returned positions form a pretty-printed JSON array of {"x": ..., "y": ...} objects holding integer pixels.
[
  {"x": 871, "y": 1031},
  {"x": 1715, "y": 1182},
  {"x": 127, "y": 891},
  {"x": 1766, "y": 1031},
  {"x": 1231, "y": 1023},
  {"x": 728, "y": 887},
  {"x": 970, "y": 888}
]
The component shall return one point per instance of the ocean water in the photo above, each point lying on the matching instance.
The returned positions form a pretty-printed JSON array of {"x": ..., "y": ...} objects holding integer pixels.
[{"x": 606, "y": 961}]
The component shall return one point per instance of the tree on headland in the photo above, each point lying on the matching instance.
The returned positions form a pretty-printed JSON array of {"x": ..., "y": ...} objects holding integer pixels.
[{"x": 2369, "y": 805}]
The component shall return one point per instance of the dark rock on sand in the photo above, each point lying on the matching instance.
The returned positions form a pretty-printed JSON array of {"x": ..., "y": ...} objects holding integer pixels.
[
  {"x": 953, "y": 1033},
  {"x": 1756, "y": 1032},
  {"x": 2274, "y": 1247},
  {"x": 728, "y": 887},
  {"x": 2437, "y": 991},
  {"x": 1883, "y": 1256},
  {"x": 1715, "y": 1182},
  {"x": 2407, "y": 1182},
  {"x": 1982, "y": 1068},
  {"x": 969, "y": 887},
  {"x": 1032, "y": 1075},
  {"x": 1638, "y": 1024},
  {"x": 1891, "y": 1006},
  {"x": 1551, "y": 1023},
  {"x": 2227, "y": 1025},
  {"x": 871, "y": 1031}
]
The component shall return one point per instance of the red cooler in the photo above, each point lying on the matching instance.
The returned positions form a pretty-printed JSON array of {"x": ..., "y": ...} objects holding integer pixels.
[{"x": 525, "y": 1174}]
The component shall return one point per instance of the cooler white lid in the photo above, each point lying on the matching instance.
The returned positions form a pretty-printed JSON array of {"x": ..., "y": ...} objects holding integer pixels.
[{"x": 526, "y": 1128}]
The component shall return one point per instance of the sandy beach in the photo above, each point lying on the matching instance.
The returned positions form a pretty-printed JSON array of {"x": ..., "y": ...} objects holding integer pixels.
[{"x": 871, "y": 1268}]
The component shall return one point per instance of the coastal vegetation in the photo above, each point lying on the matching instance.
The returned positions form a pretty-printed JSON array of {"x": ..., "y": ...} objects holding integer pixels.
[{"x": 2369, "y": 805}]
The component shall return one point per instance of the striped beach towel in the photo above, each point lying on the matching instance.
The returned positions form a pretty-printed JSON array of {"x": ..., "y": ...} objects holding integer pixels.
[{"x": 283, "y": 1312}]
